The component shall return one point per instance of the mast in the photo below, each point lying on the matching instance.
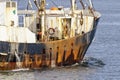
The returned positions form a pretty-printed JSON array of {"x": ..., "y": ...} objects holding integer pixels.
[
  {"x": 41, "y": 13},
  {"x": 40, "y": 4},
  {"x": 73, "y": 5}
]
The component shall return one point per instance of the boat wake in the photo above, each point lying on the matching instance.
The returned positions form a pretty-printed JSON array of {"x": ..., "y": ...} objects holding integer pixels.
[
  {"x": 21, "y": 69},
  {"x": 15, "y": 70},
  {"x": 92, "y": 62}
]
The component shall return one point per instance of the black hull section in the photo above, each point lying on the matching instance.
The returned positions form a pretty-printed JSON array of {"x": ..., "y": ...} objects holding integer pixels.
[{"x": 55, "y": 53}]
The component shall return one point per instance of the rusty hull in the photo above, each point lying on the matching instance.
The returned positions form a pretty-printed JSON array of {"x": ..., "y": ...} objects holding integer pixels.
[
  {"x": 48, "y": 54},
  {"x": 55, "y": 53}
]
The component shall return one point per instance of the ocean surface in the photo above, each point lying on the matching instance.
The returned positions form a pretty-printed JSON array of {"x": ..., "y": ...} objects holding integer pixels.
[{"x": 105, "y": 47}]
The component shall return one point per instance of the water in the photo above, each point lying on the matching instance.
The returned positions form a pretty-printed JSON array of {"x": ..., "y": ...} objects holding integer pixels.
[{"x": 105, "y": 47}]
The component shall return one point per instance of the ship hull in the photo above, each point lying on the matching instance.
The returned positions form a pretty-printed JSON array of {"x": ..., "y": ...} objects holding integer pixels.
[{"x": 45, "y": 54}]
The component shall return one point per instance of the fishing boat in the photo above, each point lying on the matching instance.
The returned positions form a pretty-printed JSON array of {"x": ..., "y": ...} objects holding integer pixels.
[{"x": 45, "y": 37}]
